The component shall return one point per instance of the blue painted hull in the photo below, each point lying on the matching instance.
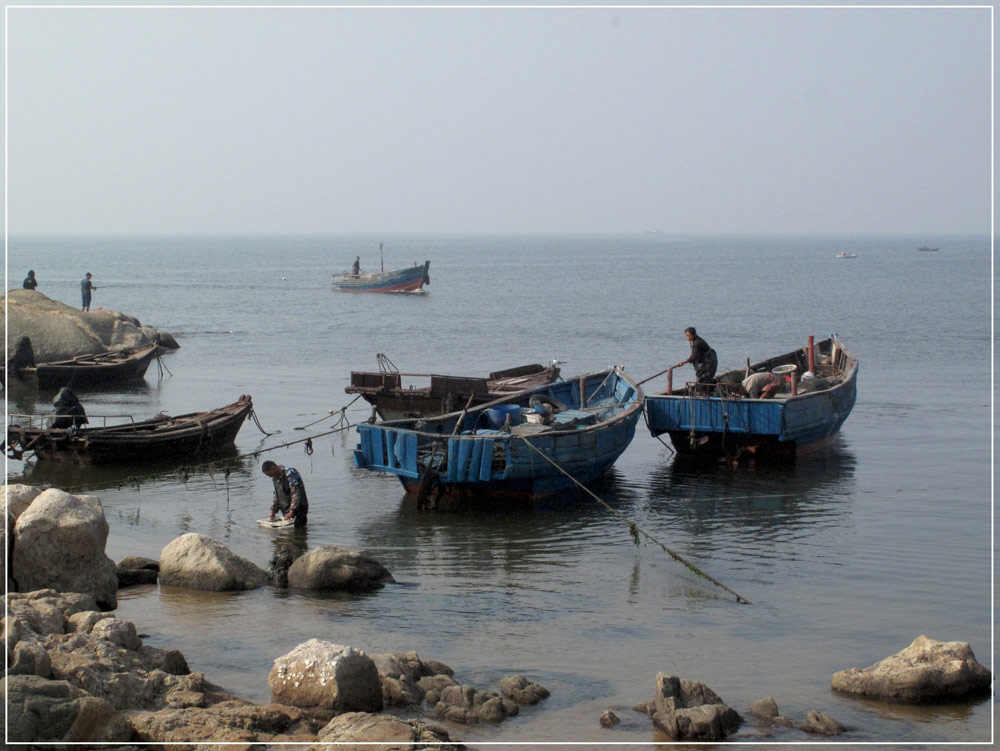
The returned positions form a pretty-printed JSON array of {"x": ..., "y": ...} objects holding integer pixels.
[
  {"x": 722, "y": 427},
  {"x": 481, "y": 458},
  {"x": 410, "y": 279}
]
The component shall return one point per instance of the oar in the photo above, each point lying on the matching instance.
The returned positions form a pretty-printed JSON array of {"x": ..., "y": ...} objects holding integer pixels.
[{"x": 654, "y": 375}]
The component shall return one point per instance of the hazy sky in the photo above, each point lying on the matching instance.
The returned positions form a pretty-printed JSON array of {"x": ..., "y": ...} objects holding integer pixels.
[{"x": 327, "y": 120}]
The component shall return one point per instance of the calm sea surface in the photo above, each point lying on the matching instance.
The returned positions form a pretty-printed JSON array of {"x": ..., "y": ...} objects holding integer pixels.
[{"x": 847, "y": 557}]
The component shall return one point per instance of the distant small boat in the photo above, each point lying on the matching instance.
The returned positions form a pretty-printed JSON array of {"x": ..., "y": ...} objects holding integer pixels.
[
  {"x": 190, "y": 436},
  {"x": 395, "y": 400},
  {"x": 925, "y": 249},
  {"x": 410, "y": 279},
  {"x": 721, "y": 421},
  {"x": 842, "y": 254},
  {"x": 90, "y": 370},
  {"x": 526, "y": 445}
]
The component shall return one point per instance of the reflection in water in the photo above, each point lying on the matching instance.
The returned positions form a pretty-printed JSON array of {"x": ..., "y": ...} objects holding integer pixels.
[{"x": 83, "y": 478}]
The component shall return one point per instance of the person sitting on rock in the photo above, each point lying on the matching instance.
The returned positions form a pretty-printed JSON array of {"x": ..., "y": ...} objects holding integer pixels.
[
  {"x": 289, "y": 493},
  {"x": 30, "y": 282}
]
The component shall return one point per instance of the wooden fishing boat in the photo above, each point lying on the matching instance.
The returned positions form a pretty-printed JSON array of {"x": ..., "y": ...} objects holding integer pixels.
[
  {"x": 104, "y": 368},
  {"x": 396, "y": 395},
  {"x": 526, "y": 445},
  {"x": 121, "y": 440},
  {"x": 721, "y": 422},
  {"x": 410, "y": 279}
]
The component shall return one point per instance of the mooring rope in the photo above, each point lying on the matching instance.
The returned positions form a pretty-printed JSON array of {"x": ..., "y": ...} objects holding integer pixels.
[
  {"x": 331, "y": 413},
  {"x": 635, "y": 529}
]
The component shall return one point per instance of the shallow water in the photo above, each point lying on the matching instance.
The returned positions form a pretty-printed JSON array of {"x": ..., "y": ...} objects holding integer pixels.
[{"x": 847, "y": 557}]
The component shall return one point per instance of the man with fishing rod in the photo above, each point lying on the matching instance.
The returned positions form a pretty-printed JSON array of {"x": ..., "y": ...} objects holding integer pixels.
[{"x": 86, "y": 288}]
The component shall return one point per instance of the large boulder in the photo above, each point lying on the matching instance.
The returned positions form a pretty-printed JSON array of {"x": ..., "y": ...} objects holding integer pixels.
[
  {"x": 41, "y": 710},
  {"x": 199, "y": 562},
  {"x": 59, "y": 544},
  {"x": 333, "y": 568},
  {"x": 389, "y": 732},
  {"x": 58, "y": 331},
  {"x": 16, "y": 498},
  {"x": 328, "y": 677},
  {"x": 229, "y": 721},
  {"x": 927, "y": 670},
  {"x": 134, "y": 569}
]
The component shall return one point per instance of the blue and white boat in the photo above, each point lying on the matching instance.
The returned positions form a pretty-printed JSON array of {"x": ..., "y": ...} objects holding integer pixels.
[
  {"x": 531, "y": 444},
  {"x": 720, "y": 421}
]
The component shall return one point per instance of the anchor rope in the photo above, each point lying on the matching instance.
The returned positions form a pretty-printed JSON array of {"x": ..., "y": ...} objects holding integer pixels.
[{"x": 635, "y": 530}]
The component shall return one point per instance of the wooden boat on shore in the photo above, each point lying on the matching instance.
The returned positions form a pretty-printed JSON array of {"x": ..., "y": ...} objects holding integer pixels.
[
  {"x": 121, "y": 440},
  {"x": 410, "y": 279},
  {"x": 104, "y": 368},
  {"x": 393, "y": 398},
  {"x": 720, "y": 421},
  {"x": 526, "y": 445}
]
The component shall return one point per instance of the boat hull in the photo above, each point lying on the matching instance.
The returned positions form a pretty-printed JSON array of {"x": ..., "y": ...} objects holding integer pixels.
[
  {"x": 185, "y": 436},
  {"x": 91, "y": 370},
  {"x": 510, "y": 464},
  {"x": 410, "y": 279},
  {"x": 713, "y": 427}
]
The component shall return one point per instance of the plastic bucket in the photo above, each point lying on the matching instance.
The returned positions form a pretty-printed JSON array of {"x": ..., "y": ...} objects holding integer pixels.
[{"x": 498, "y": 415}]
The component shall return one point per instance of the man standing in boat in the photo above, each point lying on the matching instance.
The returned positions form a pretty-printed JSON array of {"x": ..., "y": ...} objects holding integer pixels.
[
  {"x": 356, "y": 268},
  {"x": 86, "y": 287},
  {"x": 702, "y": 357},
  {"x": 289, "y": 493}
]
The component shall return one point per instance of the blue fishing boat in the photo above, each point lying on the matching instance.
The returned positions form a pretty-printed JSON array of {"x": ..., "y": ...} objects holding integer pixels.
[
  {"x": 811, "y": 392},
  {"x": 530, "y": 444}
]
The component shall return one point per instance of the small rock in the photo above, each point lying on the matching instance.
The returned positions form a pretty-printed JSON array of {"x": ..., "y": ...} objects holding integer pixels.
[
  {"x": 822, "y": 724},
  {"x": 518, "y": 688},
  {"x": 765, "y": 709},
  {"x": 609, "y": 719}
]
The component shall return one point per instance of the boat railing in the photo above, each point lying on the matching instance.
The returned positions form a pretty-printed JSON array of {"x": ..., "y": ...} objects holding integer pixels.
[{"x": 46, "y": 422}]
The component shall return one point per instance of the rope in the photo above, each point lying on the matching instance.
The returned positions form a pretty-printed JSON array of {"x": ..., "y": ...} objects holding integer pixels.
[
  {"x": 340, "y": 421},
  {"x": 253, "y": 414},
  {"x": 635, "y": 530}
]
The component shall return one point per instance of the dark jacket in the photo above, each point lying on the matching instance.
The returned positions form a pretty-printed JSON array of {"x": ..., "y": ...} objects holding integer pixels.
[
  {"x": 704, "y": 360},
  {"x": 290, "y": 495}
]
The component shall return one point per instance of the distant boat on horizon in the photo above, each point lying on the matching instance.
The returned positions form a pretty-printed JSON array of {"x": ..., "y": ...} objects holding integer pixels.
[
  {"x": 925, "y": 249},
  {"x": 842, "y": 254}
]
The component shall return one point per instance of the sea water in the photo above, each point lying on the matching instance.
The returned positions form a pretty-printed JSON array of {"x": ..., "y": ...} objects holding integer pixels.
[{"x": 847, "y": 556}]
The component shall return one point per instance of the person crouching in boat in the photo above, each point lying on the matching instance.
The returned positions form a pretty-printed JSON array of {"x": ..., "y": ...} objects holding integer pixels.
[
  {"x": 289, "y": 493},
  {"x": 762, "y": 385},
  {"x": 71, "y": 413},
  {"x": 702, "y": 357}
]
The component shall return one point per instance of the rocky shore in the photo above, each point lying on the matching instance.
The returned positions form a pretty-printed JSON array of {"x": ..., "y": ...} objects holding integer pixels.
[{"x": 77, "y": 673}]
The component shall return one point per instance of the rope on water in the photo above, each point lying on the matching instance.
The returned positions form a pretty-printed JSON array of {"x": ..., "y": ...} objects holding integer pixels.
[
  {"x": 253, "y": 414},
  {"x": 635, "y": 530}
]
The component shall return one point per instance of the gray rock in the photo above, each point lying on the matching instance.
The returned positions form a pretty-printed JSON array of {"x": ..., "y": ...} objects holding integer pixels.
[
  {"x": 394, "y": 733},
  {"x": 927, "y": 670},
  {"x": 58, "y": 331},
  {"x": 433, "y": 685},
  {"x": 117, "y": 632},
  {"x": 820, "y": 723},
  {"x": 194, "y": 719},
  {"x": 17, "y": 498},
  {"x": 609, "y": 719},
  {"x": 518, "y": 688},
  {"x": 689, "y": 711},
  {"x": 134, "y": 570},
  {"x": 30, "y": 658},
  {"x": 327, "y": 676},
  {"x": 41, "y": 615},
  {"x": 765, "y": 709},
  {"x": 468, "y": 705},
  {"x": 59, "y": 544},
  {"x": 333, "y": 568},
  {"x": 199, "y": 562},
  {"x": 84, "y": 621},
  {"x": 41, "y": 710}
]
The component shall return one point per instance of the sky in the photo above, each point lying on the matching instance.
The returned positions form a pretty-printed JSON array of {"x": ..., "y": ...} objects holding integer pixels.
[{"x": 326, "y": 120}]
